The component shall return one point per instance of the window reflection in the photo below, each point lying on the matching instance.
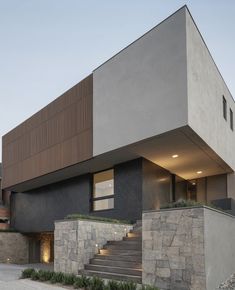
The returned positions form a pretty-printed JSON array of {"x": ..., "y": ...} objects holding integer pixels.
[{"x": 103, "y": 190}]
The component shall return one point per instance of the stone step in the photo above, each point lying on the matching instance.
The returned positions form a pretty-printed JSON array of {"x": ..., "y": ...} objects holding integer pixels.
[
  {"x": 116, "y": 263},
  {"x": 137, "y": 259},
  {"x": 126, "y": 242},
  {"x": 138, "y": 238},
  {"x": 114, "y": 276},
  {"x": 121, "y": 252},
  {"x": 121, "y": 246},
  {"x": 134, "y": 235},
  {"x": 137, "y": 232},
  {"x": 112, "y": 269}
]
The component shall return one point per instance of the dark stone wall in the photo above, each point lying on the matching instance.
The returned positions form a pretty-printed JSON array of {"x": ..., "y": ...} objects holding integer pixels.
[
  {"x": 138, "y": 184},
  {"x": 127, "y": 192},
  {"x": 36, "y": 210}
]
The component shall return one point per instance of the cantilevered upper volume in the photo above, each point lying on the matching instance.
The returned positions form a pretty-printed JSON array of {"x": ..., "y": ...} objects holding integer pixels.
[{"x": 161, "y": 96}]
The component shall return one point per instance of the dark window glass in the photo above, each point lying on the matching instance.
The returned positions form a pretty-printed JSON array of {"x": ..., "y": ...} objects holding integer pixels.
[
  {"x": 231, "y": 119},
  {"x": 224, "y": 108}
]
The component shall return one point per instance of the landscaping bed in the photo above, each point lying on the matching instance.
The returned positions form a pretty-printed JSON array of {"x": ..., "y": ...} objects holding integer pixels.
[{"x": 80, "y": 282}]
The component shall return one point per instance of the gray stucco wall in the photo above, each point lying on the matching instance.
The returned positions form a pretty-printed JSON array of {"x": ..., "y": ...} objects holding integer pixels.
[
  {"x": 219, "y": 247},
  {"x": 142, "y": 91},
  {"x": 206, "y": 88}
]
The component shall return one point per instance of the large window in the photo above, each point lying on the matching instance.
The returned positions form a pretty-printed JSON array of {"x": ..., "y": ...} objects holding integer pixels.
[
  {"x": 224, "y": 108},
  {"x": 103, "y": 191}
]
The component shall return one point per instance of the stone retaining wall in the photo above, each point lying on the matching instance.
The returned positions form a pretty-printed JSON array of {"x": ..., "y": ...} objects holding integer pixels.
[
  {"x": 77, "y": 241},
  {"x": 188, "y": 249},
  {"x": 14, "y": 248}
]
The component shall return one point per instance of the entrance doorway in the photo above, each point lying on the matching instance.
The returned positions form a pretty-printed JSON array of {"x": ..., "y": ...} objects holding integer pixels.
[{"x": 192, "y": 190}]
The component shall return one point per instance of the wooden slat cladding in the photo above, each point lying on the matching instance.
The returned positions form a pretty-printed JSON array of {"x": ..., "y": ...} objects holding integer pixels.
[{"x": 57, "y": 136}]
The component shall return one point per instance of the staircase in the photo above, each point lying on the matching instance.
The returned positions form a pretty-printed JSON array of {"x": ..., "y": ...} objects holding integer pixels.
[{"x": 119, "y": 260}]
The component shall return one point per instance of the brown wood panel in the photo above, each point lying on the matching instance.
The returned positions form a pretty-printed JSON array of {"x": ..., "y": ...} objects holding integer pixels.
[{"x": 57, "y": 136}]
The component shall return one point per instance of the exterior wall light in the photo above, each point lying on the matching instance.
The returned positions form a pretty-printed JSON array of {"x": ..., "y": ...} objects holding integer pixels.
[{"x": 175, "y": 156}]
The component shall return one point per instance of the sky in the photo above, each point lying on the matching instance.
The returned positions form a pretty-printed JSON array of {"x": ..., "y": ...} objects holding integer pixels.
[{"x": 47, "y": 46}]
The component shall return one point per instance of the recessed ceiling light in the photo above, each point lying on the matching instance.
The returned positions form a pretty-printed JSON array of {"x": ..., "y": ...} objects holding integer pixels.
[
  {"x": 175, "y": 156},
  {"x": 199, "y": 172}
]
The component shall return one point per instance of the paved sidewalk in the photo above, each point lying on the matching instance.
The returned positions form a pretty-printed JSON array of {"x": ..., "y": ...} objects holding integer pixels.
[{"x": 9, "y": 279}]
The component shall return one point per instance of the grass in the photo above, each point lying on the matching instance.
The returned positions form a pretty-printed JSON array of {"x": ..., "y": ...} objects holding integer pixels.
[
  {"x": 96, "y": 218},
  {"x": 80, "y": 282},
  {"x": 10, "y": 230}
]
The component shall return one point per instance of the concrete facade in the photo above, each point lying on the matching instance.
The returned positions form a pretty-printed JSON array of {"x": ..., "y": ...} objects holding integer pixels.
[
  {"x": 206, "y": 89},
  {"x": 77, "y": 241},
  {"x": 142, "y": 91},
  {"x": 219, "y": 247},
  {"x": 14, "y": 248},
  {"x": 188, "y": 249}
]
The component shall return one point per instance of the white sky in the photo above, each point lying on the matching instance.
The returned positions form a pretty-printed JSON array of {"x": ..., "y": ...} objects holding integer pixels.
[{"x": 48, "y": 46}]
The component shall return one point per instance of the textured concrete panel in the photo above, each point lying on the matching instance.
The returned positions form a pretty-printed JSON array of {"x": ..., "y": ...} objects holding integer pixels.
[
  {"x": 219, "y": 247},
  {"x": 142, "y": 91},
  {"x": 206, "y": 89}
]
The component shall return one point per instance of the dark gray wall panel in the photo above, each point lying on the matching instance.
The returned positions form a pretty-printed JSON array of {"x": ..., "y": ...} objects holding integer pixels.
[
  {"x": 156, "y": 185},
  {"x": 36, "y": 211},
  {"x": 127, "y": 192}
]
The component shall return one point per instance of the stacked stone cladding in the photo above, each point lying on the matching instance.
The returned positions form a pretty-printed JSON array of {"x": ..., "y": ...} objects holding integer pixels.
[
  {"x": 77, "y": 241},
  {"x": 173, "y": 249},
  {"x": 14, "y": 248}
]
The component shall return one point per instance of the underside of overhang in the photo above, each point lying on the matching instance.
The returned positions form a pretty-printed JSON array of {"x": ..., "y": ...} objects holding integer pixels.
[{"x": 195, "y": 159}]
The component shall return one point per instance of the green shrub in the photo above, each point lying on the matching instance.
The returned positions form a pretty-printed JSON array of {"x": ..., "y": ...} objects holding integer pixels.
[
  {"x": 181, "y": 203},
  {"x": 128, "y": 286},
  {"x": 9, "y": 230},
  {"x": 82, "y": 282},
  {"x": 187, "y": 203},
  {"x": 96, "y": 284},
  {"x": 148, "y": 287},
  {"x": 69, "y": 279},
  {"x": 57, "y": 277},
  {"x": 44, "y": 275},
  {"x": 27, "y": 273},
  {"x": 35, "y": 276},
  {"x": 113, "y": 285},
  {"x": 97, "y": 218}
]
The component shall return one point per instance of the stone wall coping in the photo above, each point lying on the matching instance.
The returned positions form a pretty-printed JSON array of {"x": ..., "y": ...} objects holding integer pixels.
[
  {"x": 190, "y": 207},
  {"x": 90, "y": 220}
]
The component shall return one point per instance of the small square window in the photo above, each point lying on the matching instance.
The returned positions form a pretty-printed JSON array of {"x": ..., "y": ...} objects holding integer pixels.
[
  {"x": 224, "y": 108},
  {"x": 231, "y": 119}
]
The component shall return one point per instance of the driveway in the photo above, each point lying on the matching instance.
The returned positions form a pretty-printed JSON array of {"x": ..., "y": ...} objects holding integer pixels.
[{"x": 9, "y": 279}]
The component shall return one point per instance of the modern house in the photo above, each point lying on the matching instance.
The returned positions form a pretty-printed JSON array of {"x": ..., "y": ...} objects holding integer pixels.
[{"x": 151, "y": 125}]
